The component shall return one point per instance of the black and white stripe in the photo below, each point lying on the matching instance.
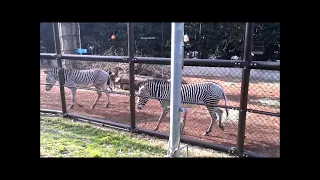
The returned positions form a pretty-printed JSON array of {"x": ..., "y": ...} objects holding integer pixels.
[
  {"x": 209, "y": 93},
  {"x": 81, "y": 78}
]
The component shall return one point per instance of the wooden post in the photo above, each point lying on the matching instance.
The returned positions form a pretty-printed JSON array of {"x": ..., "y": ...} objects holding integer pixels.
[{"x": 69, "y": 36}]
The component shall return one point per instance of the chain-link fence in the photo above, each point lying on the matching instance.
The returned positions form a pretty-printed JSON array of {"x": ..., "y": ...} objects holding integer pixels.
[
  {"x": 49, "y": 99},
  {"x": 262, "y": 133}
]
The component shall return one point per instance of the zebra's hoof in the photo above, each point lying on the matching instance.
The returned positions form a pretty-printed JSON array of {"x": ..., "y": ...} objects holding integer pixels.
[
  {"x": 222, "y": 128},
  {"x": 71, "y": 107},
  {"x": 206, "y": 133},
  {"x": 92, "y": 107},
  {"x": 155, "y": 129},
  {"x": 106, "y": 106}
]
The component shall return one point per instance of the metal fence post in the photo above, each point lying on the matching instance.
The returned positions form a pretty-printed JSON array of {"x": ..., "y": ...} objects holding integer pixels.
[
  {"x": 61, "y": 72},
  {"x": 131, "y": 76},
  {"x": 244, "y": 87},
  {"x": 177, "y": 32}
]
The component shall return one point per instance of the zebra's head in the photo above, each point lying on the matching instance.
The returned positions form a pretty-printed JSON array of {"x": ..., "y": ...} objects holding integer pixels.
[
  {"x": 50, "y": 80},
  {"x": 143, "y": 91}
]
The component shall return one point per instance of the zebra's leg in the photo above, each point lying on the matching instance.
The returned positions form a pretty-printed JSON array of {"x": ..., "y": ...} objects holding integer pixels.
[
  {"x": 104, "y": 88},
  {"x": 107, "y": 94},
  {"x": 164, "y": 113},
  {"x": 108, "y": 100},
  {"x": 95, "y": 102},
  {"x": 110, "y": 85},
  {"x": 73, "y": 91},
  {"x": 213, "y": 119},
  {"x": 220, "y": 113}
]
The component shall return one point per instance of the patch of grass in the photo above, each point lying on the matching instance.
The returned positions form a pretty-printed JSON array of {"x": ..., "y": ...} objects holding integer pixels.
[{"x": 63, "y": 138}]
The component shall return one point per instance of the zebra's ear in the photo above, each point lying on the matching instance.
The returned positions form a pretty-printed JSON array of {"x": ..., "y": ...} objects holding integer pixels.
[{"x": 139, "y": 84}]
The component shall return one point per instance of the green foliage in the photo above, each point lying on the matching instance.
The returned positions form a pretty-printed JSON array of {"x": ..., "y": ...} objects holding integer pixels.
[
  {"x": 42, "y": 49},
  {"x": 209, "y": 39}
]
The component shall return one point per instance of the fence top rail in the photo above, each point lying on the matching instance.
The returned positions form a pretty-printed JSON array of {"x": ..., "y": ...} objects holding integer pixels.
[
  {"x": 266, "y": 65},
  {"x": 212, "y": 63},
  {"x": 77, "y": 57},
  {"x": 48, "y": 55}
]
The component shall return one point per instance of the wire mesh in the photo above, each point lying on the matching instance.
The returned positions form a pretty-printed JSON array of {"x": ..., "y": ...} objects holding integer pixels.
[
  {"x": 263, "y": 134},
  {"x": 206, "y": 40},
  {"x": 263, "y": 131},
  {"x": 198, "y": 118},
  {"x": 46, "y": 38},
  {"x": 264, "y": 90},
  {"x": 118, "y": 109},
  {"x": 49, "y": 99},
  {"x": 154, "y": 40},
  {"x": 107, "y": 39}
]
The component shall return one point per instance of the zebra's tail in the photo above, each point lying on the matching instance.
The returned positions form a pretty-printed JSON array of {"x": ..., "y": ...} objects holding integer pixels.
[
  {"x": 225, "y": 100},
  {"x": 110, "y": 82}
]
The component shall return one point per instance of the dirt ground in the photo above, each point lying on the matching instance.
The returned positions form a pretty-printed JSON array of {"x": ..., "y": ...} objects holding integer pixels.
[{"x": 262, "y": 131}]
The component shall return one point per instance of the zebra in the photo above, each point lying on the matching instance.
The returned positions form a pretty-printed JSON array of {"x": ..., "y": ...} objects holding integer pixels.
[
  {"x": 207, "y": 92},
  {"x": 98, "y": 78}
]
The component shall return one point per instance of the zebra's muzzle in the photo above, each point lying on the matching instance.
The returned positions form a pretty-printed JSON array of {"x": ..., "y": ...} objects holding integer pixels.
[
  {"x": 48, "y": 87},
  {"x": 139, "y": 107}
]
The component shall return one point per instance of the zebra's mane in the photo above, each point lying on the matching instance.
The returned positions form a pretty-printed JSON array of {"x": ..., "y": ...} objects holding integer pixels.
[
  {"x": 166, "y": 82},
  {"x": 55, "y": 69},
  {"x": 153, "y": 80}
]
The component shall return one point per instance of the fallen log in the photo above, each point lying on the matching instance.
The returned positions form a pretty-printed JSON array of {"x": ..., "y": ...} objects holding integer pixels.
[{"x": 123, "y": 80}]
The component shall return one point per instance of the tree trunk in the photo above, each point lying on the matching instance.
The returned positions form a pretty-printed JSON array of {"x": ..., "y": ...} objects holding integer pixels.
[
  {"x": 69, "y": 36},
  {"x": 123, "y": 81}
]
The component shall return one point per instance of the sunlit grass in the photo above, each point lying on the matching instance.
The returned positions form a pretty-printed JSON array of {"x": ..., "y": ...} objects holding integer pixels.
[{"x": 60, "y": 137}]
